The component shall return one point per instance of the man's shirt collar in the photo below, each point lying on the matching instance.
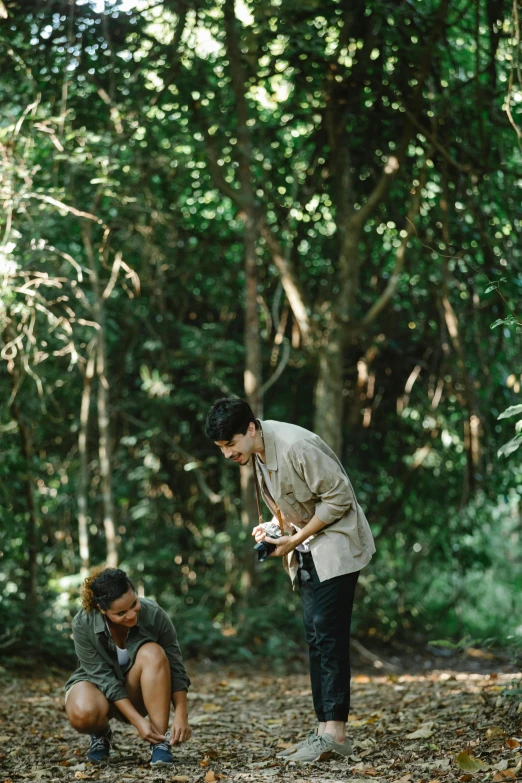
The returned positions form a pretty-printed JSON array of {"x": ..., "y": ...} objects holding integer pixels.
[{"x": 270, "y": 446}]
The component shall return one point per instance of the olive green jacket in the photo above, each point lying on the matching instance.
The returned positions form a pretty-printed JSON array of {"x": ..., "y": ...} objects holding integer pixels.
[
  {"x": 96, "y": 650},
  {"x": 308, "y": 479}
]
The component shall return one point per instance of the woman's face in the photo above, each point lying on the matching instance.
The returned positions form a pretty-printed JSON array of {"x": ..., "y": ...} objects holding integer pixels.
[{"x": 124, "y": 610}]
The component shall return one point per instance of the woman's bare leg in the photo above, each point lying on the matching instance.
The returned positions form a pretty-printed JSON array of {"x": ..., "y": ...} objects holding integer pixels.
[
  {"x": 148, "y": 684},
  {"x": 87, "y": 708}
]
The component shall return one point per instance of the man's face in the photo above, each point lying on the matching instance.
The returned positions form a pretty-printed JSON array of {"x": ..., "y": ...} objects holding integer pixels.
[{"x": 239, "y": 448}]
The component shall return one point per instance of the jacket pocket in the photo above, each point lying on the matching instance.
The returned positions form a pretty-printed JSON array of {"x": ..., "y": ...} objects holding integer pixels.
[{"x": 299, "y": 504}]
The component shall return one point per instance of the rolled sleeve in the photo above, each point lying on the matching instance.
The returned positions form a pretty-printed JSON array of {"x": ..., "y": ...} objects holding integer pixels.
[
  {"x": 168, "y": 639},
  {"x": 96, "y": 670},
  {"x": 326, "y": 481}
]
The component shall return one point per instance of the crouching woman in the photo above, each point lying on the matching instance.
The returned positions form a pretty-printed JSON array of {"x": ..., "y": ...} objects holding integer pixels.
[{"x": 130, "y": 666}]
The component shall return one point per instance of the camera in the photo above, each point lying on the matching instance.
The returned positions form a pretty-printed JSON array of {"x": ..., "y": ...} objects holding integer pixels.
[{"x": 264, "y": 549}]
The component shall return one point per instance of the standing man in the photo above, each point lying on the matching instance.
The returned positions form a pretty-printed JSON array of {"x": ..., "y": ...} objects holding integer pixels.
[{"x": 327, "y": 542}]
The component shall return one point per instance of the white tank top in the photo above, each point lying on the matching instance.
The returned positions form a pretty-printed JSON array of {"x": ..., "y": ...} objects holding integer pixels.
[
  {"x": 121, "y": 652},
  {"x": 123, "y": 656}
]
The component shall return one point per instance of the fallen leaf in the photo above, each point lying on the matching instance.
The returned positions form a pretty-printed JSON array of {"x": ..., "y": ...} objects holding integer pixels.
[
  {"x": 211, "y": 707},
  {"x": 5, "y": 738},
  {"x": 469, "y": 763},
  {"x": 210, "y": 777},
  {"x": 422, "y": 733},
  {"x": 81, "y": 775},
  {"x": 495, "y": 732},
  {"x": 465, "y": 778},
  {"x": 512, "y": 743},
  {"x": 196, "y": 720},
  {"x": 507, "y": 774},
  {"x": 204, "y": 763},
  {"x": 405, "y": 778},
  {"x": 180, "y": 778}
]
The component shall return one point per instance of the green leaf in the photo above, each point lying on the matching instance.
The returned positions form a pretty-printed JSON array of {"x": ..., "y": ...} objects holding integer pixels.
[
  {"x": 513, "y": 410},
  {"x": 469, "y": 763},
  {"x": 511, "y": 446},
  {"x": 444, "y": 643},
  {"x": 509, "y": 321}
]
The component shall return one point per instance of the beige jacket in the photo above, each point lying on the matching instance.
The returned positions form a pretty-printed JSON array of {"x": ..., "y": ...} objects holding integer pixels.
[{"x": 307, "y": 478}]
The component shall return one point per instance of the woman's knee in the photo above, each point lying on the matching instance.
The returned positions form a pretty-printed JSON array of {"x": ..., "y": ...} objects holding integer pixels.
[
  {"x": 152, "y": 655},
  {"x": 84, "y": 716},
  {"x": 86, "y": 706}
]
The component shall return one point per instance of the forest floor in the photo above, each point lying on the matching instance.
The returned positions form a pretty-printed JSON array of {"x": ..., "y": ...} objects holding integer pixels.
[{"x": 437, "y": 722}]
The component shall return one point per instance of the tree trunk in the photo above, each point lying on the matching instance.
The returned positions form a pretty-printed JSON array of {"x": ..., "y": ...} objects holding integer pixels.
[
  {"x": 329, "y": 392},
  {"x": 252, "y": 372},
  {"x": 26, "y": 442},
  {"x": 83, "y": 534},
  {"x": 104, "y": 439},
  {"x": 104, "y": 450},
  {"x": 351, "y": 221}
]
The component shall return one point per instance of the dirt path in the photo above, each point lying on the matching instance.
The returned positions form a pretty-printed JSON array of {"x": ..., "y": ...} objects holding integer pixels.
[{"x": 443, "y": 726}]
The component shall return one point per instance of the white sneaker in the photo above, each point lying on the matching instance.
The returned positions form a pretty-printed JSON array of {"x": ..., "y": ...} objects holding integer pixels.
[
  {"x": 319, "y": 746},
  {"x": 298, "y": 746}
]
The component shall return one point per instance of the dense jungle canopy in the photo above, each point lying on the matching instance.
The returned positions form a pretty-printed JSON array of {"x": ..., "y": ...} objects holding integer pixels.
[{"x": 313, "y": 205}]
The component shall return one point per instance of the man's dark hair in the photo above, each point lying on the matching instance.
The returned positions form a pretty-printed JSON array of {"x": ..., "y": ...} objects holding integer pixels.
[{"x": 228, "y": 416}]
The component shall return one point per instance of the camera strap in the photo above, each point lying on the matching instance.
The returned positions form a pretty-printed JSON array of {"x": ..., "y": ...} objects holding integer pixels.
[{"x": 258, "y": 499}]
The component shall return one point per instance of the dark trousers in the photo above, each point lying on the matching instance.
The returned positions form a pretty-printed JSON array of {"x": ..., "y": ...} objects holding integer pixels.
[{"x": 327, "y": 612}]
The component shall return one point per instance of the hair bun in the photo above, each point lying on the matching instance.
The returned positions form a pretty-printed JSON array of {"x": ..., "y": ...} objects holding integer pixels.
[{"x": 103, "y": 586}]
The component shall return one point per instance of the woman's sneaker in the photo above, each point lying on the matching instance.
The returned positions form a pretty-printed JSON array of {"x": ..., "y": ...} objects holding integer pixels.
[
  {"x": 100, "y": 747},
  {"x": 160, "y": 754}
]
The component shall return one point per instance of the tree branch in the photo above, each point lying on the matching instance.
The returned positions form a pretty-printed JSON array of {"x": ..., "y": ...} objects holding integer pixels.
[{"x": 391, "y": 287}]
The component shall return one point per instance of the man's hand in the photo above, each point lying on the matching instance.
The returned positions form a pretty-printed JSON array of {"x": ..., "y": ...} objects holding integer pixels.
[
  {"x": 181, "y": 731},
  {"x": 259, "y": 533},
  {"x": 148, "y": 731},
  {"x": 283, "y": 545}
]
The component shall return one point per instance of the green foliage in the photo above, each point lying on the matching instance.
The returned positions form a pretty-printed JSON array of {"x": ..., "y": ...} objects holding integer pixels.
[{"x": 122, "y": 125}]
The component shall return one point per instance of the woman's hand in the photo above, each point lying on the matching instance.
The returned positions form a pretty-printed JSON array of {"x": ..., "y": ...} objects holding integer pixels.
[
  {"x": 149, "y": 732},
  {"x": 181, "y": 731}
]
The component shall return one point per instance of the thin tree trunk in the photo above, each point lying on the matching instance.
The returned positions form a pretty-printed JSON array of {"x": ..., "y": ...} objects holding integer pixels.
[
  {"x": 252, "y": 372},
  {"x": 329, "y": 392},
  {"x": 104, "y": 440},
  {"x": 83, "y": 534},
  {"x": 104, "y": 450},
  {"x": 472, "y": 424},
  {"x": 26, "y": 442}
]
